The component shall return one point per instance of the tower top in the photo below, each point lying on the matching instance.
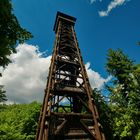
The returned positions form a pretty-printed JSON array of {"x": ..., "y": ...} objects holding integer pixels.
[{"x": 63, "y": 17}]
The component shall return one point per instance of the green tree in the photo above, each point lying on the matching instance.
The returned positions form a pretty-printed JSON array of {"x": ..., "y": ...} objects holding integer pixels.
[
  {"x": 2, "y": 94},
  {"x": 19, "y": 122},
  {"x": 105, "y": 113},
  {"x": 124, "y": 95},
  {"x": 11, "y": 33}
]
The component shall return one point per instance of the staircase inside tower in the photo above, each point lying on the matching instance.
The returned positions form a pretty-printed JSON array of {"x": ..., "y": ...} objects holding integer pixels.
[{"x": 68, "y": 111}]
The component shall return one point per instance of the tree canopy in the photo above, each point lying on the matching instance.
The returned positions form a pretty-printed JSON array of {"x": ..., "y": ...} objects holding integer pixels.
[
  {"x": 105, "y": 113},
  {"x": 2, "y": 94},
  {"x": 124, "y": 95},
  {"x": 19, "y": 122},
  {"x": 11, "y": 32}
]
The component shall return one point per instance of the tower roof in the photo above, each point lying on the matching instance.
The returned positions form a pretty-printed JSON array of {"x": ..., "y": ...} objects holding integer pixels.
[{"x": 64, "y": 17}]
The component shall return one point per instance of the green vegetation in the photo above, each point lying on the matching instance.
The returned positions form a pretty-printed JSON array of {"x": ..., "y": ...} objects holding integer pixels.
[
  {"x": 11, "y": 33},
  {"x": 120, "y": 113},
  {"x": 2, "y": 94},
  {"x": 104, "y": 113},
  {"x": 124, "y": 96},
  {"x": 19, "y": 121}
]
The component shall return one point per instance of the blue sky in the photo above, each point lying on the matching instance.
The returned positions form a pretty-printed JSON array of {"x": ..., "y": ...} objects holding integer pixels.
[
  {"x": 100, "y": 25},
  {"x": 96, "y": 34}
]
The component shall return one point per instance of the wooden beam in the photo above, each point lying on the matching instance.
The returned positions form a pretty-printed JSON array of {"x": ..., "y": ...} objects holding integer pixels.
[
  {"x": 65, "y": 115},
  {"x": 87, "y": 130},
  {"x": 60, "y": 127}
]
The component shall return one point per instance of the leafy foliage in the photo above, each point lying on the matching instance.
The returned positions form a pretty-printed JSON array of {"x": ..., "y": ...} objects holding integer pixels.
[
  {"x": 10, "y": 32},
  {"x": 105, "y": 113},
  {"x": 2, "y": 94},
  {"x": 19, "y": 122},
  {"x": 124, "y": 95}
]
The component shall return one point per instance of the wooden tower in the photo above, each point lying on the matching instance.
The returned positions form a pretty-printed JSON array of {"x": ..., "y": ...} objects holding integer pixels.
[{"x": 68, "y": 110}]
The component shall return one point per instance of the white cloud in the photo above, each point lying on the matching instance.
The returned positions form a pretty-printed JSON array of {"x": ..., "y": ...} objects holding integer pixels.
[
  {"x": 25, "y": 78},
  {"x": 113, "y": 4},
  {"x": 95, "y": 78}
]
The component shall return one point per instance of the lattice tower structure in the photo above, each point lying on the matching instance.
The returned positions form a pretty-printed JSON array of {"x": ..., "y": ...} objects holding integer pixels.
[{"x": 68, "y": 111}]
